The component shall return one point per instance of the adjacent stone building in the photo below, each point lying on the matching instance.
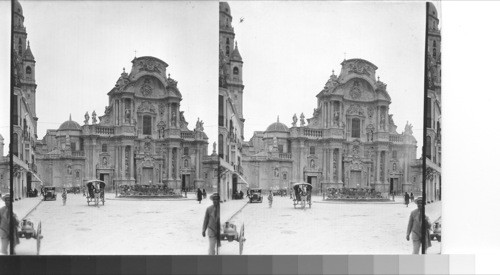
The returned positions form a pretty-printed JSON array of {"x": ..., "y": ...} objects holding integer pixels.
[
  {"x": 351, "y": 140},
  {"x": 231, "y": 121},
  {"x": 23, "y": 115},
  {"x": 433, "y": 103},
  {"x": 142, "y": 137}
]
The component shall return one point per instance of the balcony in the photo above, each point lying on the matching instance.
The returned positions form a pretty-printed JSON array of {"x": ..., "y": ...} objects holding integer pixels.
[
  {"x": 102, "y": 130},
  {"x": 313, "y": 133},
  {"x": 187, "y": 135},
  {"x": 77, "y": 153},
  {"x": 285, "y": 155},
  {"x": 396, "y": 138}
]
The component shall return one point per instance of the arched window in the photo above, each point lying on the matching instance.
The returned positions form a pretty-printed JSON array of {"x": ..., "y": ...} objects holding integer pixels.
[
  {"x": 28, "y": 70},
  {"x": 312, "y": 150},
  {"x": 104, "y": 148},
  {"x": 227, "y": 50},
  {"x": 20, "y": 47},
  {"x": 434, "y": 53},
  {"x": 434, "y": 43},
  {"x": 356, "y": 128},
  {"x": 186, "y": 151},
  {"x": 77, "y": 174},
  {"x": 284, "y": 176},
  {"x": 227, "y": 41},
  {"x": 236, "y": 71},
  {"x": 146, "y": 125},
  {"x": 428, "y": 147}
]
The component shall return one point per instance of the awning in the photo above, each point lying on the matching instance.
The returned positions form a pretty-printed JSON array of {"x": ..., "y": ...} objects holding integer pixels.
[
  {"x": 38, "y": 179},
  {"x": 432, "y": 165},
  {"x": 242, "y": 179}
]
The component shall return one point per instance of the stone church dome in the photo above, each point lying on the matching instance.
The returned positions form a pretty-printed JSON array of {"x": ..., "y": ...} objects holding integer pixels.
[
  {"x": 277, "y": 127},
  {"x": 18, "y": 8},
  {"x": 224, "y": 7},
  {"x": 70, "y": 125}
]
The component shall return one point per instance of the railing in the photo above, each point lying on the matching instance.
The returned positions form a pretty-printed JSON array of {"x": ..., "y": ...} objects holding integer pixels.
[
  {"x": 313, "y": 133},
  {"x": 396, "y": 138},
  {"x": 105, "y": 130},
  {"x": 187, "y": 135},
  {"x": 78, "y": 153},
  {"x": 285, "y": 156}
]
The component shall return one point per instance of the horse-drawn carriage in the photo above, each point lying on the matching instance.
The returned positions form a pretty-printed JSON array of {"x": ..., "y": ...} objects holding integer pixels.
[
  {"x": 301, "y": 194},
  {"x": 95, "y": 191}
]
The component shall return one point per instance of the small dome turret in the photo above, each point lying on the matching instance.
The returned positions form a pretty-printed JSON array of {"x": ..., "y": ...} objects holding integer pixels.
[
  {"x": 277, "y": 127},
  {"x": 70, "y": 125}
]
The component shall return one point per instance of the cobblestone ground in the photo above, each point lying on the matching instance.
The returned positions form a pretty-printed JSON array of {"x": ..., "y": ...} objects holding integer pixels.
[
  {"x": 326, "y": 228},
  {"x": 119, "y": 227}
]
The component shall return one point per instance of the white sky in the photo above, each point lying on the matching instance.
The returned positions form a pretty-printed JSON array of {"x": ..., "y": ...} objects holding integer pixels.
[
  {"x": 289, "y": 49},
  {"x": 80, "y": 49}
]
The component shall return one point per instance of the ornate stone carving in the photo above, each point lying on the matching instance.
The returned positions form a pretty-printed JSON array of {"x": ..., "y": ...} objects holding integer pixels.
[
  {"x": 149, "y": 65},
  {"x": 146, "y": 88},
  {"x": 358, "y": 68},
  {"x": 355, "y": 110},
  {"x": 162, "y": 107},
  {"x": 355, "y": 91},
  {"x": 370, "y": 111},
  {"x": 408, "y": 129},
  {"x": 86, "y": 121},
  {"x": 294, "y": 120},
  {"x": 302, "y": 121},
  {"x": 94, "y": 119},
  {"x": 146, "y": 106},
  {"x": 127, "y": 160}
]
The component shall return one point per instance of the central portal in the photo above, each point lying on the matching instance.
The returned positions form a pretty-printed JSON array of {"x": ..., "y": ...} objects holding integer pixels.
[
  {"x": 355, "y": 179},
  {"x": 148, "y": 176}
]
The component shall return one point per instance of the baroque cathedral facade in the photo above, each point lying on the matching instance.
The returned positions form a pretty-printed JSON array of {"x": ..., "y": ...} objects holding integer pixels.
[
  {"x": 350, "y": 141},
  {"x": 142, "y": 137}
]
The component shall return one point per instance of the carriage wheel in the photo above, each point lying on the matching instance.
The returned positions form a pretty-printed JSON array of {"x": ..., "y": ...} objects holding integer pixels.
[
  {"x": 39, "y": 238},
  {"x": 242, "y": 238}
]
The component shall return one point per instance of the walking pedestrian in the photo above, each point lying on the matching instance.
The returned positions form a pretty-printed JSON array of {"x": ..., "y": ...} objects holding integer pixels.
[
  {"x": 415, "y": 228},
  {"x": 407, "y": 199},
  {"x": 5, "y": 220},
  {"x": 212, "y": 223},
  {"x": 199, "y": 195},
  {"x": 64, "y": 195},
  {"x": 270, "y": 198},
  {"x": 411, "y": 197},
  {"x": 204, "y": 194}
]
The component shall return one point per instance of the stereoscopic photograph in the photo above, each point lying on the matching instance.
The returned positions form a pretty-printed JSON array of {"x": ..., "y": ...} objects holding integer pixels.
[
  {"x": 114, "y": 123},
  {"x": 321, "y": 108}
]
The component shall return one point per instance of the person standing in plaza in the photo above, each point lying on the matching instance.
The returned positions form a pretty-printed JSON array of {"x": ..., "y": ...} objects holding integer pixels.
[
  {"x": 5, "y": 225},
  {"x": 199, "y": 195},
  {"x": 407, "y": 199},
  {"x": 212, "y": 223},
  {"x": 412, "y": 198},
  {"x": 64, "y": 195},
  {"x": 270, "y": 198},
  {"x": 204, "y": 193},
  {"x": 415, "y": 228}
]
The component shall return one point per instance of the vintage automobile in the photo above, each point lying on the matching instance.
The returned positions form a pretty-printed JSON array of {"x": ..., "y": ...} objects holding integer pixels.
[
  {"x": 49, "y": 193},
  {"x": 302, "y": 194},
  {"x": 436, "y": 230},
  {"x": 95, "y": 192},
  {"x": 255, "y": 195}
]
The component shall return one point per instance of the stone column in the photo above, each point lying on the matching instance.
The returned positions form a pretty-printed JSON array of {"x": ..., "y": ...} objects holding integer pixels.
[
  {"x": 131, "y": 162},
  {"x": 177, "y": 168},
  {"x": 169, "y": 161},
  {"x": 123, "y": 161},
  {"x": 339, "y": 169},
  {"x": 377, "y": 168},
  {"x": 332, "y": 112},
  {"x": 330, "y": 166}
]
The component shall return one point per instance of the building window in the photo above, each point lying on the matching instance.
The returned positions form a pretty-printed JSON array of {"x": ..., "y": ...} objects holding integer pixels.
[
  {"x": 146, "y": 125},
  {"x": 186, "y": 151},
  {"x": 394, "y": 154},
  {"x": 236, "y": 71},
  {"x": 15, "y": 145},
  {"x": 73, "y": 146},
  {"x": 215, "y": 173},
  {"x": 227, "y": 50},
  {"x": 186, "y": 163},
  {"x": 280, "y": 148},
  {"x": 227, "y": 41},
  {"x": 221, "y": 110},
  {"x": 221, "y": 146},
  {"x": 428, "y": 147},
  {"x": 77, "y": 174},
  {"x": 312, "y": 150},
  {"x": 428, "y": 114},
  {"x": 394, "y": 166},
  {"x": 356, "y": 128},
  {"x": 206, "y": 175},
  {"x": 104, "y": 148},
  {"x": 28, "y": 70},
  {"x": 15, "y": 117},
  {"x": 434, "y": 53},
  {"x": 284, "y": 176}
]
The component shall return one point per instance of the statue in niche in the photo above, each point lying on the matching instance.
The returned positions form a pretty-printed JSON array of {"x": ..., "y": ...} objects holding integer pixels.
[
  {"x": 302, "y": 121},
  {"x": 382, "y": 120},
  {"x": 336, "y": 117},
  {"x": 214, "y": 152},
  {"x": 86, "y": 121},
  {"x": 69, "y": 170},
  {"x": 391, "y": 121},
  {"x": 94, "y": 119},
  {"x": 127, "y": 115},
  {"x": 173, "y": 120},
  {"x": 276, "y": 172},
  {"x": 313, "y": 165},
  {"x": 294, "y": 120}
]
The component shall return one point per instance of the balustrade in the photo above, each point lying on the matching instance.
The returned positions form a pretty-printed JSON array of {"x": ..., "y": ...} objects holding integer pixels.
[
  {"x": 187, "y": 135},
  {"x": 104, "y": 130}
]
